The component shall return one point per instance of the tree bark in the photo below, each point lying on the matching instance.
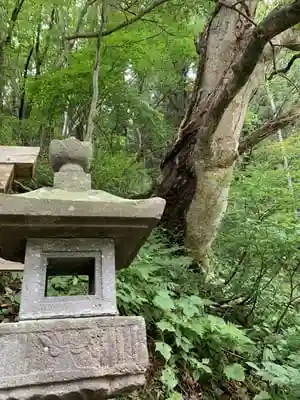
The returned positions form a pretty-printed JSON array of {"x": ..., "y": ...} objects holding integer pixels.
[{"x": 197, "y": 170}]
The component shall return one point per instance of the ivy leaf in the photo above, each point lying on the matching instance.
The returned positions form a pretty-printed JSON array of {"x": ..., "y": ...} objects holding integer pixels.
[
  {"x": 163, "y": 301},
  {"x": 165, "y": 326},
  {"x": 235, "y": 372},
  {"x": 164, "y": 349},
  {"x": 168, "y": 378}
]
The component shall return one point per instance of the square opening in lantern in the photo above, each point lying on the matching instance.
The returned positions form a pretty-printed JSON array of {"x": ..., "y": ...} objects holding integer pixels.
[{"x": 70, "y": 276}]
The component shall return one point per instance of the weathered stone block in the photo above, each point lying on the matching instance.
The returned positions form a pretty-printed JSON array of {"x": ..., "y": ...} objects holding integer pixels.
[
  {"x": 80, "y": 358},
  {"x": 73, "y": 176},
  {"x": 91, "y": 257},
  {"x": 50, "y": 213},
  {"x": 70, "y": 151}
]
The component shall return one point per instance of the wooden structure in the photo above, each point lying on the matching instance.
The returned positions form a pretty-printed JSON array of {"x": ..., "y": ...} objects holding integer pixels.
[
  {"x": 16, "y": 162},
  {"x": 9, "y": 266}
]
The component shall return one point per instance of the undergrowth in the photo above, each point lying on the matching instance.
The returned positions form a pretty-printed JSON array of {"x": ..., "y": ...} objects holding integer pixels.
[
  {"x": 196, "y": 351},
  {"x": 234, "y": 337}
]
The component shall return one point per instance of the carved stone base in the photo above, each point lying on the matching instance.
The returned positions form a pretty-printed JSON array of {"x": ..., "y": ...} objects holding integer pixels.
[{"x": 72, "y": 359}]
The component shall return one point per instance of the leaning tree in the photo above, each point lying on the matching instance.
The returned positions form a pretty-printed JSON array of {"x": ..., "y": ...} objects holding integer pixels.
[
  {"x": 197, "y": 170},
  {"x": 233, "y": 50}
]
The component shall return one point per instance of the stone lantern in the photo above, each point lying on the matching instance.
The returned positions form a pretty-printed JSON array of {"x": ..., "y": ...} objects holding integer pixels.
[{"x": 72, "y": 347}]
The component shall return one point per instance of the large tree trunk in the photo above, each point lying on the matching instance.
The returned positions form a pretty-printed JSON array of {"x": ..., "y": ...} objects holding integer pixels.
[
  {"x": 214, "y": 173},
  {"x": 199, "y": 184},
  {"x": 197, "y": 171}
]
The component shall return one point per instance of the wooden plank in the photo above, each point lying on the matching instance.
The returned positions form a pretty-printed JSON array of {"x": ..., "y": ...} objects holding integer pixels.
[
  {"x": 6, "y": 177},
  {"x": 23, "y": 158},
  {"x": 10, "y": 266}
]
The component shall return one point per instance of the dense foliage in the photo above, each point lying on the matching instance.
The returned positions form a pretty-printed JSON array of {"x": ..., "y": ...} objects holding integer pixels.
[{"x": 236, "y": 335}]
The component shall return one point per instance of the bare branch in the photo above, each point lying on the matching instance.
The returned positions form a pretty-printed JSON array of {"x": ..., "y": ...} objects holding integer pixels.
[
  {"x": 289, "y": 39},
  {"x": 124, "y": 24},
  {"x": 82, "y": 14},
  {"x": 286, "y": 68},
  {"x": 268, "y": 129}
]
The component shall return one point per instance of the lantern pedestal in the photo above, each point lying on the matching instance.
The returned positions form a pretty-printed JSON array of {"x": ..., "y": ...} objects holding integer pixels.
[{"x": 74, "y": 358}]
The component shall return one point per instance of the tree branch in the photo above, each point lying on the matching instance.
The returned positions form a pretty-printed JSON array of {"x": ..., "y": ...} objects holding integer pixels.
[
  {"x": 278, "y": 20},
  {"x": 289, "y": 39},
  {"x": 37, "y": 49},
  {"x": 124, "y": 24},
  {"x": 13, "y": 19},
  {"x": 209, "y": 112},
  {"x": 82, "y": 14},
  {"x": 286, "y": 68},
  {"x": 268, "y": 129}
]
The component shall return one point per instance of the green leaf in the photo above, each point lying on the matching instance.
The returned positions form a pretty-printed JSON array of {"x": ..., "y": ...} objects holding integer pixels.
[
  {"x": 268, "y": 354},
  {"x": 188, "y": 308},
  {"x": 164, "y": 349},
  {"x": 168, "y": 378},
  {"x": 200, "y": 366},
  {"x": 235, "y": 372},
  {"x": 206, "y": 368},
  {"x": 252, "y": 365},
  {"x": 262, "y": 396},
  {"x": 175, "y": 396},
  {"x": 198, "y": 328},
  {"x": 165, "y": 326},
  {"x": 163, "y": 301},
  {"x": 75, "y": 281}
]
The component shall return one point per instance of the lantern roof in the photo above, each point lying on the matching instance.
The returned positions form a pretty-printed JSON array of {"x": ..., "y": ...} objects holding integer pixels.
[{"x": 71, "y": 209}]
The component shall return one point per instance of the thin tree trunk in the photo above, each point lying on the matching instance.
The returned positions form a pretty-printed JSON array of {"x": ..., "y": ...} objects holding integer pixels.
[
  {"x": 5, "y": 41},
  {"x": 280, "y": 139},
  {"x": 93, "y": 108},
  {"x": 23, "y": 92}
]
